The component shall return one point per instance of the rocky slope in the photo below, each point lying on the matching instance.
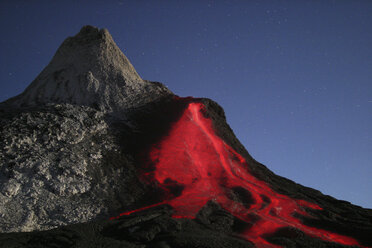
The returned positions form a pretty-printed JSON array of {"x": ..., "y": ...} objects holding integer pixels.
[
  {"x": 58, "y": 137},
  {"x": 89, "y": 139}
]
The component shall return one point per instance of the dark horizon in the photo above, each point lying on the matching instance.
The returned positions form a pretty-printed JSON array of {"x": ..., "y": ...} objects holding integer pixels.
[{"x": 294, "y": 77}]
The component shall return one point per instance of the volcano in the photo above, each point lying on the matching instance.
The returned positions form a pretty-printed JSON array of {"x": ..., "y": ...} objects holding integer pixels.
[{"x": 95, "y": 156}]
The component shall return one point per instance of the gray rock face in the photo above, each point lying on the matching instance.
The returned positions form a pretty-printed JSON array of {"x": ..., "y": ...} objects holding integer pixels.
[
  {"x": 89, "y": 69},
  {"x": 52, "y": 168},
  {"x": 60, "y": 158}
]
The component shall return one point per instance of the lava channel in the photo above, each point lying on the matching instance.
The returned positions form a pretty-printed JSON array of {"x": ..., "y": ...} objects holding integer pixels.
[{"x": 193, "y": 159}]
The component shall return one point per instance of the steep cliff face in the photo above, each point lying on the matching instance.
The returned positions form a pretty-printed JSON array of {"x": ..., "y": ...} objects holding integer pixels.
[{"x": 136, "y": 166}]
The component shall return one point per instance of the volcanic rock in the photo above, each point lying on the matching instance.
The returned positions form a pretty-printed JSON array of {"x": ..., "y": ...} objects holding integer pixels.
[
  {"x": 89, "y": 69},
  {"x": 61, "y": 161}
]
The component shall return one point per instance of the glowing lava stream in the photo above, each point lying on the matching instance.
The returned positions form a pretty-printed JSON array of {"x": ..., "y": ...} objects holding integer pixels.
[{"x": 193, "y": 166}]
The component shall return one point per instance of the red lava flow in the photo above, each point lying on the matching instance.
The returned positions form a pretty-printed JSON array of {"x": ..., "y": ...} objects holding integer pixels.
[{"x": 203, "y": 167}]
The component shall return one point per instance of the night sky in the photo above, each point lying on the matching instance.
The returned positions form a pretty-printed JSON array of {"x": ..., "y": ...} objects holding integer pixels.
[{"x": 294, "y": 77}]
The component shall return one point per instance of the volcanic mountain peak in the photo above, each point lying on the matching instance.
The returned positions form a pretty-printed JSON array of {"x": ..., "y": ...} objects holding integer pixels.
[
  {"x": 92, "y": 49},
  {"x": 89, "y": 69},
  {"x": 170, "y": 173}
]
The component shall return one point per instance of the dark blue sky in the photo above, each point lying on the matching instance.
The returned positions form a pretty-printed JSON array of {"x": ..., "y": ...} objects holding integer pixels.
[{"x": 294, "y": 77}]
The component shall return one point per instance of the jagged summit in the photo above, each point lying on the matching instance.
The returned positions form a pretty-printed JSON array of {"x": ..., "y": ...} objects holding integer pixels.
[{"x": 89, "y": 69}]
